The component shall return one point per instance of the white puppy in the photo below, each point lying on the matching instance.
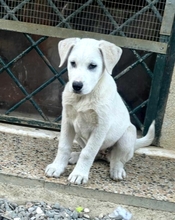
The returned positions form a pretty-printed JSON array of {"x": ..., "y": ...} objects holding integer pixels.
[{"x": 93, "y": 112}]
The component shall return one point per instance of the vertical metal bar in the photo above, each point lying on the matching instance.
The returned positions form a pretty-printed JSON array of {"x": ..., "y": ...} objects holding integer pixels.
[
  {"x": 167, "y": 22},
  {"x": 166, "y": 81},
  {"x": 160, "y": 87},
  {"x": 154, "y": 92}
]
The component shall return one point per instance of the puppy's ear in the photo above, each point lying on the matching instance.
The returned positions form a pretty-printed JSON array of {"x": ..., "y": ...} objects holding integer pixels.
[
  {"x": 111, "y": 54},
  {"x": 64, "y": 48}
]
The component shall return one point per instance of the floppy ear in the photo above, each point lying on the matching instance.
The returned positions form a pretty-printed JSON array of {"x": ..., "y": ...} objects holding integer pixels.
[
  {"x": 64, "y": 48},
  {"x": 111, "y": 54}
]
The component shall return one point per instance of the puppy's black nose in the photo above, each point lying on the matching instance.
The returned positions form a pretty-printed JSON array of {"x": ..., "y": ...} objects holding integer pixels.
[{"x": 77, "y": 86}]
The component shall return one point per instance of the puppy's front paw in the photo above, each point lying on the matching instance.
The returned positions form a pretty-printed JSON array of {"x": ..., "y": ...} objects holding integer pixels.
[
  {"x": 54, "y": 170},
  {"x": 78, "y": 178},
  {"x": 118, "y": 174}
]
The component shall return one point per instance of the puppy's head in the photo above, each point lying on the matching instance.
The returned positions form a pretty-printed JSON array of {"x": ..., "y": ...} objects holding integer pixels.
[{"x": 87, "y": 59}]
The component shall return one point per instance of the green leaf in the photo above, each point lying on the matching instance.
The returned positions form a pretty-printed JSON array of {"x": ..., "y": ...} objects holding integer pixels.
[{"x": 79, "y": 209}]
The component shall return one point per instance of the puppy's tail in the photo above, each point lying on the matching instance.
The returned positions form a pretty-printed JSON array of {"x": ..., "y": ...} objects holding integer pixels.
[{"x": 147, "y": 139}]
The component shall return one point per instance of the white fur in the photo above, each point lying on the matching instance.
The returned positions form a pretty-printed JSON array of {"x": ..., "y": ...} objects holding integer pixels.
[{"x": 95, "y": 116}]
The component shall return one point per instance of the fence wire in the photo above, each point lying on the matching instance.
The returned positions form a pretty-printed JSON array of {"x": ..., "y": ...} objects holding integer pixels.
[{"x": 139, "y": 19}]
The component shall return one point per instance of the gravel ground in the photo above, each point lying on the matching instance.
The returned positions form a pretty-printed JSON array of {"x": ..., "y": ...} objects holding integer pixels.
[
  {"x": 27, "y": 197},
  {"x": 42, "y": 210},
  {"x": 39, "y": 210}
]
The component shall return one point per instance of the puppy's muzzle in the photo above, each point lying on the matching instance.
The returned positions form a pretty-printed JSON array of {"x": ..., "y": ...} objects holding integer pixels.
[{"x": 77, "y": 86}]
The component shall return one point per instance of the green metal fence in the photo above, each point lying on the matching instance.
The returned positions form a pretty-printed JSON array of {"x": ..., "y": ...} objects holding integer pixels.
[{"x": 145, "y": 27}]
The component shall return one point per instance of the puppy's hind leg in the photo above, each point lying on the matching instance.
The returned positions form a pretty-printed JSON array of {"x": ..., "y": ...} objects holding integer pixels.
[
  {"x": 75, "y": 155},
  {"x": 121, "y": 153},
  {"x": 102, "y": 155}
]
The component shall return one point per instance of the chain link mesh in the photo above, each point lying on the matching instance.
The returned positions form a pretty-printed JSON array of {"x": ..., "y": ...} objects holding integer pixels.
[{"x": 139, "y": 19}]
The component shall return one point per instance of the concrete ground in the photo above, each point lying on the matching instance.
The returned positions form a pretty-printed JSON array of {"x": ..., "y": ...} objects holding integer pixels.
[{"x": 148, "y": 191}]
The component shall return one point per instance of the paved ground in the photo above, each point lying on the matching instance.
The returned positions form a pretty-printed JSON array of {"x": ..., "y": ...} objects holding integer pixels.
[{"x": 149, "y": 184}]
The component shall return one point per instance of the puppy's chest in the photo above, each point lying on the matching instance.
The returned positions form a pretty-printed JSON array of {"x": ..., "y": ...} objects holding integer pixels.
[{"x": 83, "y": 119}]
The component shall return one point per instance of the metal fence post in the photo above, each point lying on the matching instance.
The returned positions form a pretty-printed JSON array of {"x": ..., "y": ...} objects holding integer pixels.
[{"x": 160, "y": 87}]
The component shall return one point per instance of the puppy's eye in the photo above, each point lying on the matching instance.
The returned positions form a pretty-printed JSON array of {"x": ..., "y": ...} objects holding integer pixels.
[
  {"x": 73, "y": 64},
  {"x": 92, "y": 66}
]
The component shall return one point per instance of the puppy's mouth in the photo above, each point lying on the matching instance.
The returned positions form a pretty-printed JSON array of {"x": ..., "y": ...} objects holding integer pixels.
[{"x": 77, "y": 92}]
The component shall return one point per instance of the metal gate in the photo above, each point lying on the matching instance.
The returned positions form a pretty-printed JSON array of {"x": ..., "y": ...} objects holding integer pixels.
[{"x": 144, "y": 27}]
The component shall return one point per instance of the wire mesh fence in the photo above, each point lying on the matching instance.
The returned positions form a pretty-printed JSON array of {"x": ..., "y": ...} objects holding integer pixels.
[
  {"x": 139, "y": 19},
  {"x": 31, "y": 82},
  {"x": 34, "y": 79}
]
